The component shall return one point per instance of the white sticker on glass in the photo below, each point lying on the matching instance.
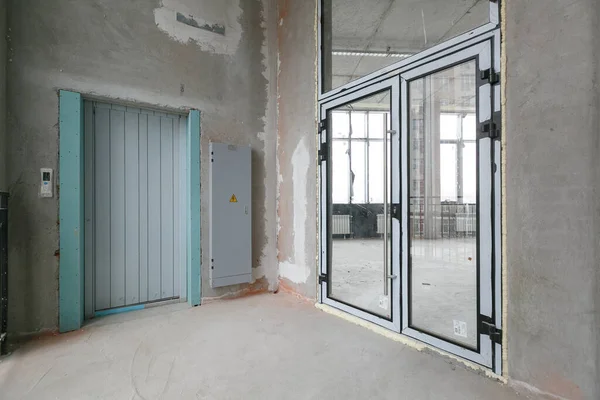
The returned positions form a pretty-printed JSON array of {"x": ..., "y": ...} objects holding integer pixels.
[
  {"x": 460, "y": 328},
  {"x": 384, "y": 302}
]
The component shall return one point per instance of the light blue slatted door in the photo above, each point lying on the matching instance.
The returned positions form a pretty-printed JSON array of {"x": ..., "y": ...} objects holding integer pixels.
[{"x": 135, "y": 197}]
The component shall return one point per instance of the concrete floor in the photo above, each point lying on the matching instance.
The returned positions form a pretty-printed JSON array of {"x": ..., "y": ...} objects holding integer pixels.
[
  {"x": 444, "y": 282},
  {"x": 261, "y": 347}
]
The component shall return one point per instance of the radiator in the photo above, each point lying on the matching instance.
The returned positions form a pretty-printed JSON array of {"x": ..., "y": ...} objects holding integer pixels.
[
  {"x": 341, "y": 224},
  {"x": 380, "y": 222},
  {"x": 466, "y": 222}
]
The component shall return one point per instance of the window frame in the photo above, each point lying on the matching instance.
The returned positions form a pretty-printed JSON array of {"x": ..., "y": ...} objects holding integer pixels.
[
  {"x": 489, "y": 32},
  {"x": 368, "y": 141}
]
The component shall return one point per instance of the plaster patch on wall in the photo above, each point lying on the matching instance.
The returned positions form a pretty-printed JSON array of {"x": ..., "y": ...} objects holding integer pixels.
[
  {"x": 294, "y": 272},
  {"x": 297, "y": 271},
  {"x": 225, "y": 14}
]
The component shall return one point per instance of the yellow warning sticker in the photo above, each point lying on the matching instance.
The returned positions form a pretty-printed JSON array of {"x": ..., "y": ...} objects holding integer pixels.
[{"x": 233, "y": 199}]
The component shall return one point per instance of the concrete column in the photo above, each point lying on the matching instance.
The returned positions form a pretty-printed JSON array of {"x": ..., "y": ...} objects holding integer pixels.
[
  {"x": 431, "y": 143},
  {"x": 552, "y": 223},
  {"x": 459, "y": 159},
  {"x": 327, "y": 57}
]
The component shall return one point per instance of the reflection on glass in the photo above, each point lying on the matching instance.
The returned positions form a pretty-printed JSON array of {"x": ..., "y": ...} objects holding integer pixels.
[
  {"x": 375, "y": 175},
  {"x": 443, "y": 204},
  {"x": 340, "y": 186},
  {"x": 358, "y": 217},
  {"x": 363, "y": 36},
  {"x": 358, "y": 159}
]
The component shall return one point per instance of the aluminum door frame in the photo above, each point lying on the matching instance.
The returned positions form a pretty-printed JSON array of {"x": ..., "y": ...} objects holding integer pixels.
[
  {"x": 393, "y": 84},
  {"x": 482, "y": 53}
]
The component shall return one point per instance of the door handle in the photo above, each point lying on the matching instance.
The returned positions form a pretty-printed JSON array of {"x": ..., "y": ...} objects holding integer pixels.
[{"x": 386, "y": 266}]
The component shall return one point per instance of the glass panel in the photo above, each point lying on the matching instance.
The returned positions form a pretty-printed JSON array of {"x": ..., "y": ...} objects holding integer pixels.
[
  {"x": 469, "y": 126},
  {"x": 359, "y": 124},
  {"x": 358, "y": 254},
  {"x": 375, "y": 175},
  {"x": 363, "y": 36},
  {"x": 448, "y": 174},
  {"x": 443, "y": 218},
  {"x": 340, "y": 175},
  {"x": 341, "y": 124},
  {"x": 469, "y": 173},
  {"x": 359, "y": 172},
  {"x": 448, "y": 126},
  {"x": 377, "y": 125}
]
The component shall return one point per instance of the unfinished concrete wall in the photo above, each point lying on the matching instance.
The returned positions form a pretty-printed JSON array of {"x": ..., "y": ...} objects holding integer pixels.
[
  {"x": 552, "y": 148},
  {"x": 297, "y": 146},
  {"x": 597, "y": 196},
  {"x": 3, "y": 58},
  {"x": 134, "y": 51}
]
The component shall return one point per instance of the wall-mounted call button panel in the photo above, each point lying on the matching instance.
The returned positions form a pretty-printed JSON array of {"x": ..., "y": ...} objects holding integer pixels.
[{"x": 47, "y": 182}]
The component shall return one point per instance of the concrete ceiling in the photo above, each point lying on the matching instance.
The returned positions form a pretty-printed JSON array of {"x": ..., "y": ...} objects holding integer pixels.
[{"x": 396, "y": 26}]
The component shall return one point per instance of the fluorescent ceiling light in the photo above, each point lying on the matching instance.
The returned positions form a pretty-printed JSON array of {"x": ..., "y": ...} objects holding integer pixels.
[{"x": 369, "y": 54}]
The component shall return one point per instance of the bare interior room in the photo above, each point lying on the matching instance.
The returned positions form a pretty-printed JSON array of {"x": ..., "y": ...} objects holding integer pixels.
[{"x": 286, "y": 199}]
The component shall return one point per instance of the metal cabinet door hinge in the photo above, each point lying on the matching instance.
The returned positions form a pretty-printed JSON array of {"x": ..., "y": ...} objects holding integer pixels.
[{"x": 487, "y": 327}]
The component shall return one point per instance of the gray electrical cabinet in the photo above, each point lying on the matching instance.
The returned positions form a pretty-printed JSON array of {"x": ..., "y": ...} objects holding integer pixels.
[{"x": 230, "y": 224}]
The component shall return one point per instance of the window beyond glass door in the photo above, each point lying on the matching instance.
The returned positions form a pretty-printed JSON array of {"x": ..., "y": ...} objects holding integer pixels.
[
  {"x": 362, "y": 36},
  {"x": 360, "y": 228},
  {"x": 443, "y": 204}
]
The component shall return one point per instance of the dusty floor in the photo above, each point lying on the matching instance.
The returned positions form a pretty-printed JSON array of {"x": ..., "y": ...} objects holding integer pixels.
[
  {"x": 262, "y": 347},
  {"x": 444, "y": 283}
]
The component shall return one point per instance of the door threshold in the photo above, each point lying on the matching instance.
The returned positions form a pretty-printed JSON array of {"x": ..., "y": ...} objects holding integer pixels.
[
  {"x": 407, "y": 341},
  {"x": 135, "y": 307}
]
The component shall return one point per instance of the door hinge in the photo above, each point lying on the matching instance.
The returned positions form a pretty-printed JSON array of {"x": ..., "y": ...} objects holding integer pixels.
[
  {"x": 487, "y": 327},
  {"x": 322, "y": 278},
  {"x": 489, "y": 129},
  {"x": 322, "y": 126},
  {"x": 323, "y": 152},
  {"x": 490, "y": 75},
  {"x": 396, "y": 211}
]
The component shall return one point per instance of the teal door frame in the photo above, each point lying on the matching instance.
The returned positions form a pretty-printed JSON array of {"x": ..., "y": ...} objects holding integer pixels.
[{"x": 71, "y": 210}]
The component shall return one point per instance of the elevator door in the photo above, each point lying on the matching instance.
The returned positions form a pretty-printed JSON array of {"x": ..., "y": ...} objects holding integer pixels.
[{"x": 135, "y": 194}]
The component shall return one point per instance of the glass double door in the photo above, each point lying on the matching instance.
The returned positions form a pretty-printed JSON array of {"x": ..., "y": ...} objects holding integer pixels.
[
  {"x": 363, "y": 139},
  {"x": 406, "y": 183}
]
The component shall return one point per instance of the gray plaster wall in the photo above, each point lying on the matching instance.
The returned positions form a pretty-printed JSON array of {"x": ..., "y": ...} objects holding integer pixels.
[
  {"x": 297, "y": 146},
  {"x": 134, "y": 52},
  {"x": 597, "y": 197},
  {"x": 552, "y": 149},
  {"x": 3, "y": 58}
]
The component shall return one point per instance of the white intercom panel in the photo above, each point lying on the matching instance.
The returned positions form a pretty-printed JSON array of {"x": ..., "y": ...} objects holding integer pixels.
[{"x": 46, "y": 185}]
